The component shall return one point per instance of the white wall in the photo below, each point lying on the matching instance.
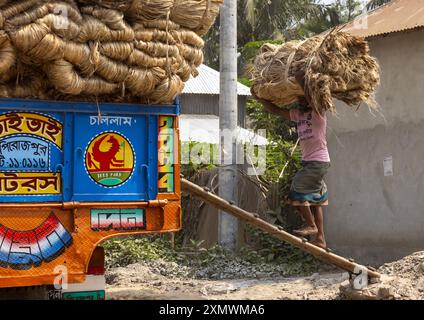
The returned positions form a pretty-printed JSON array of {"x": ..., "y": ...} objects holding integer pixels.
[{"x": 372, "y": 217}]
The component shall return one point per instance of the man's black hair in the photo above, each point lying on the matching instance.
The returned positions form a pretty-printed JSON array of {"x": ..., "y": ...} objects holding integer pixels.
[{"x": 303, "y": 105}]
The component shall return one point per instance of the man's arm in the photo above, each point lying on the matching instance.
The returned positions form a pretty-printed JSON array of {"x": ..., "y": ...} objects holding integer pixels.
[{"x": 272, "y": 108}]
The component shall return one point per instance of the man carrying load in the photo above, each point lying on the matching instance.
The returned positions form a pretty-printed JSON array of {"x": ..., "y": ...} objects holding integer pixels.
[{"x": 308, "y": 192}]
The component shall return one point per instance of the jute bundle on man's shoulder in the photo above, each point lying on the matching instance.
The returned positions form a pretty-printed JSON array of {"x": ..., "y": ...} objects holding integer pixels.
[
  {"x": 134, "y": 51},
  {"x": 336, "y": 65}
]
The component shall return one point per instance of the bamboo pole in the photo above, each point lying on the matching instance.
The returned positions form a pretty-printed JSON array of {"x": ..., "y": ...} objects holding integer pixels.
[{"x": 256, "y": 221}]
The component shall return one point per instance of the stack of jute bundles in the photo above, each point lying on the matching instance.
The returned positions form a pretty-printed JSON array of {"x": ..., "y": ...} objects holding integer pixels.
[
  {"x": 133, "y": 51},
  {"x": 335, "y": 65}
]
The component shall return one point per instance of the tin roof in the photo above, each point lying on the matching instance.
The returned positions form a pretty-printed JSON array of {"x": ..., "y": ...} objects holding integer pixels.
[
  {"x": 395, "y": 16},
  {"x": 205, "y": 129},
  {"x": 208, "y": 82}
]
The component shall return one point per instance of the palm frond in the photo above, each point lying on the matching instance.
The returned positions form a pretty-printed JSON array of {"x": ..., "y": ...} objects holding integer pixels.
[
  {"x": 374, "y": 4},
  {"x": 250, "y": 10}
]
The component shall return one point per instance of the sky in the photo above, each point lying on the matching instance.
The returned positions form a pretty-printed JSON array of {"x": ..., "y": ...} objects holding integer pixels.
[
  {"x": 331, "y": 1},
  {"x": 364, "y": 2}
]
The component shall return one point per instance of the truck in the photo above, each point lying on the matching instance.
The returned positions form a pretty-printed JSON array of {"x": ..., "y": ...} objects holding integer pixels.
[{"x": 73, "y": 174}]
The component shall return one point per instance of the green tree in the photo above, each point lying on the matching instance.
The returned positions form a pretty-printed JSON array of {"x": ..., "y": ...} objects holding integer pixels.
[
  {"x": 280, "y": 20},
  {"x": 270, "y": 19},
  {"x": 373, "y": 4},
  {"x": 259, "y": 20},
  {"x": 322, "y": 17}
]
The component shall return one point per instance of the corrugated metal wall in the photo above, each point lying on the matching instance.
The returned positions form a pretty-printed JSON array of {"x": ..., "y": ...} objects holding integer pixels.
[{"x": 209, "y": 104}]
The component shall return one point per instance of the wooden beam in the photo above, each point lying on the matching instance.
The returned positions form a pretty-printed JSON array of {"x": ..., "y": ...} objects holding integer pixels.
[{"x": 256, "y": 221}]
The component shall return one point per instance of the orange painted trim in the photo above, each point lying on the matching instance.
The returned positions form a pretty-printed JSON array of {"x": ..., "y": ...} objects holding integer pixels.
[
  {"x": 76, "y": 205},
  {"x": 76, "y": 257},
  {"x": 26, "y": 281},
  {"x": 163, "y": 215},
  {"x": 45, "y": 280}
]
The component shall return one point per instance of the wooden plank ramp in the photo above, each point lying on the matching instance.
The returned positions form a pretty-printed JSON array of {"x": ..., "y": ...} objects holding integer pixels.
[{"x": 254, "y": 219}]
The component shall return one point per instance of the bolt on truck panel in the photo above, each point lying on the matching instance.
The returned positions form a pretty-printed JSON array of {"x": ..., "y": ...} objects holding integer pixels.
[{"x": 74, "y": 174}]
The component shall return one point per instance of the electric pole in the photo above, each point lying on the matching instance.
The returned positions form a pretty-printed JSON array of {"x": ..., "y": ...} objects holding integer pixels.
[{"x": 228, "y": 225}]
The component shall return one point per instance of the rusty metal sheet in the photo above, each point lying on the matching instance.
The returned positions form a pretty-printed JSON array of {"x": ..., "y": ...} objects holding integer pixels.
[{"x": 396, "y": 16}]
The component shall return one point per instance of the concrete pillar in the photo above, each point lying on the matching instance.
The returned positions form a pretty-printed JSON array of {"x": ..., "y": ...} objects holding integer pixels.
[{"x": 228, "y": 225}]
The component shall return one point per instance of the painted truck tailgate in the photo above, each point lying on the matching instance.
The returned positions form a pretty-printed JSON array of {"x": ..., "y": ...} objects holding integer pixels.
[
  {"x": 78, "y": 155},
  {"x": 75, "y": 174}
]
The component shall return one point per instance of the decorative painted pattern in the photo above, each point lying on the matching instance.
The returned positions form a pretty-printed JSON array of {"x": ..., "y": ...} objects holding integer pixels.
[
  {"x": 166, "y": 155},
  {"x": 117, "y": 219},
  {"x": 111, "y": 120},
  {"x": 30, "y": 153},
  {"x": 110, "y": 159},
  {"x": 23, "y": 250},
  {"x": 30, "y": 183},
  {"x": 33, "y": 124},
  {"x": 24, "y": 153}
]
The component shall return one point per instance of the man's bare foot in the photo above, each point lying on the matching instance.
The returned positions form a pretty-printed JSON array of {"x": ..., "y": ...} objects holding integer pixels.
[
  {"x": 319, "y": 243},
  {"x": 307, "y": 231}
]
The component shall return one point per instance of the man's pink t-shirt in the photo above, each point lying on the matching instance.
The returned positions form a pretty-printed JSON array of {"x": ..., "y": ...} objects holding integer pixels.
[{"x": 311, "y": 129}]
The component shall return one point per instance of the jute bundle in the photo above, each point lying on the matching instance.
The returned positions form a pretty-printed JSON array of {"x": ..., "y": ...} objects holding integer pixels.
[
  {"x": 10, "y": 9},
  {"x": 55, "y": 23},
  {"x": 163, "y": 90},
  {"x": 161, "y": 24},
  {"x": 141, "y": 59},
  {"x": 65, "y": 79},
  {"x": 120, "y": 51},
  {"x": 31, "y": 84},
  {"x": 144, "y": 81},
  {"x": 7, "y": 55},
  {"x": 18, "y": 14},
  {"x": 93, "y": 29},
  {"x": 196, "y": 15},
  {"x": 202, "y": 14},
  {"x": 337, "y": 65},
  {"x": 188, "y": 37},
  {"x": 147, "y": 35},
  {"x": 122, "y": 5},
  {"x": 150, "y": 9},
  {"x": 132, "y": 49},
  {"x": 84, "y": 58}
]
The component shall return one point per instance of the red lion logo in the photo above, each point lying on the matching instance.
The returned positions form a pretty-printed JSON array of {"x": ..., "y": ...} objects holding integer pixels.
[{"x": 105, "y": 159}]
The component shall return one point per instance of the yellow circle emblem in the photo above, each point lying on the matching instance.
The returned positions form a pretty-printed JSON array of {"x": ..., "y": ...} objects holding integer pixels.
[{"x": 109, "y": 159}]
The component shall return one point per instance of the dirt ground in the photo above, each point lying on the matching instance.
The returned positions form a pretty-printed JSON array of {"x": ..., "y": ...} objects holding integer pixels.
[
  {"x": 401, "y": 280},
  {"x": 137, "y": 281}
]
